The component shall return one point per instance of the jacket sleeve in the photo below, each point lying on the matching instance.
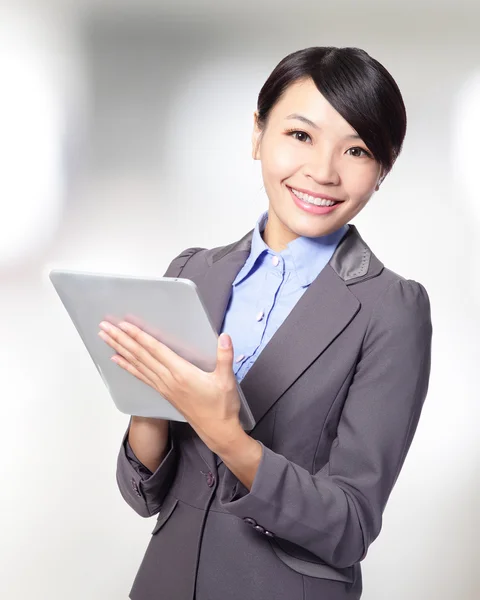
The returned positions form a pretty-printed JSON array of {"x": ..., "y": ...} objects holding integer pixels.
[
  {"x": 143, "y": 490},
  {"x": 336, "y": 512}
]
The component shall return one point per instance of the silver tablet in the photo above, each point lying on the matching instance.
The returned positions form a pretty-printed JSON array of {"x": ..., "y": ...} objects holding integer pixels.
[{"x": 170, "y": 309}]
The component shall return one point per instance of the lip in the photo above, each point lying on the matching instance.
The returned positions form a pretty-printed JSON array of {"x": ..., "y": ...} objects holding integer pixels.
[
  {"x": 323, "y": 196},
  {"x": 312, "y": 209}
]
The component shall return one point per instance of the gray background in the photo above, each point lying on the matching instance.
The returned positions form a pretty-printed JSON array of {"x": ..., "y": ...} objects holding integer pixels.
[{"x": 140, "y": 113}]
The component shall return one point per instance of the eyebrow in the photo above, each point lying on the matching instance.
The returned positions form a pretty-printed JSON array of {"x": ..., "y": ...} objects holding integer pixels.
[{"x": 353, "y": 136}]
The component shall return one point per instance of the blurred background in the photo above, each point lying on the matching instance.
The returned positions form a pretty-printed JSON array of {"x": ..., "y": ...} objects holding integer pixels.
[{"x": 124, "y": 138}]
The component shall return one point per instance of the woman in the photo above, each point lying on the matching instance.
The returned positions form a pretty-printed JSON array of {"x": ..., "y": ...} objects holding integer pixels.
[{"x": 331, "y": 347}]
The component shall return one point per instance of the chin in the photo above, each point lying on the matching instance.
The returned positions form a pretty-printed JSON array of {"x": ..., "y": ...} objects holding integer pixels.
[{"x": 313, "y": 226}]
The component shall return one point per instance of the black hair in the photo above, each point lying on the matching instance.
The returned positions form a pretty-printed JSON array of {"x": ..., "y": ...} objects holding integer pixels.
[{"x": 356, "y": 85}]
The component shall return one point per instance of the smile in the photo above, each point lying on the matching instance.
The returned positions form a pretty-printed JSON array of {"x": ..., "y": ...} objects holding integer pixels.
[
  {"x": 314, "y": 205},
  {"x": 317, "y": 201}
]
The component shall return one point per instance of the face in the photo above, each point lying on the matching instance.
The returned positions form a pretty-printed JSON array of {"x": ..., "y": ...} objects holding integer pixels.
[{"x": 309, "y": 155}]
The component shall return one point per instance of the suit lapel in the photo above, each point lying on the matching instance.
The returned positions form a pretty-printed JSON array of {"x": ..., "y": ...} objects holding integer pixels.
[
  {"x": 321, "y": 314},
  {"x": 214, "y": 287},
  {"x": 215, "y": 283}
]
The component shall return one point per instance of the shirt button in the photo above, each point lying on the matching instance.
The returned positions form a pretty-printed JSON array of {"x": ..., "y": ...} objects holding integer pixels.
[
  {"x": 275, "y": 261},
  {"x": 210, "y": 479},
  {"x": 260, "y": 316},
  {"x": 259, "y": 528},
  {"x": 240, "y": 358},
  {"x": 250, "y": 521}
]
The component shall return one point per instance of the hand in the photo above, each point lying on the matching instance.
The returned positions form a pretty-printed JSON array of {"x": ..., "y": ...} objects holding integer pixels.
[{"x": 208, "y": 401}]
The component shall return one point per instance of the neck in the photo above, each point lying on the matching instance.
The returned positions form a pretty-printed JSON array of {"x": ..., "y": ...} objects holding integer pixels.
[{"x": 275, "y": 234}]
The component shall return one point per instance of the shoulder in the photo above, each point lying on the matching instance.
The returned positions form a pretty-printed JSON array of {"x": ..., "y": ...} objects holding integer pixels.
[
  {"x": 178, "y": 263},
  {"x": 195, "y": 257},
  {"x": 198, "y": 258},
  {"x": 402, "y": 297},
  {"x": 375, "y": 286},
  {"x": 391, "y": 303},
  {"x": 399, "y": 316}
]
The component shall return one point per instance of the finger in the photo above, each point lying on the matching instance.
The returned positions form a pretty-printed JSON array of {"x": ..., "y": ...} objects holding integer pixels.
[
  {"x": 153, "y": 371},
  {"x": 121, "y": 362},
  {"x": 140, "y": 352},
  {"x": 224, "y": 368},
  {"x": 167, "y": 357}
]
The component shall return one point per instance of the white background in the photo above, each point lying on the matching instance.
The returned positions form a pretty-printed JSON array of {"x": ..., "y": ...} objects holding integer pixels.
[{"x": 152, "y": 107}]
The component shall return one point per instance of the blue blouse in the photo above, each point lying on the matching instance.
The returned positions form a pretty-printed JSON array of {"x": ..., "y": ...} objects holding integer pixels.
[{"x": 267, "y": 288}]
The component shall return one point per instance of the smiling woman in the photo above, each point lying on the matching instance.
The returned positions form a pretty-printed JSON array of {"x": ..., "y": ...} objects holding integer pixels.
[
  {"x": 329, "y": 125},
  {"x": 332, "y": 350}
]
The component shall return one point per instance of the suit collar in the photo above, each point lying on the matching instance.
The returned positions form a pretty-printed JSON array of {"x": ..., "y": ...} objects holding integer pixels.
[
  {"x": 352, "y": 260},
  {"x": 304, "y": 256}
]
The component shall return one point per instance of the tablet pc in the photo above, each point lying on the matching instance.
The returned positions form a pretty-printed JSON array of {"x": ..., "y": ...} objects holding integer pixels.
[{"x": 170, "y": 309}]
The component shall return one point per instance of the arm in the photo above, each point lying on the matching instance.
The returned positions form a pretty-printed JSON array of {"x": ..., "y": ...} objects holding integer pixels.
[
  {"x": 337, "y": 512},
  {"x": 148, "y": 439},
  {"x": 143, "y": 489}
]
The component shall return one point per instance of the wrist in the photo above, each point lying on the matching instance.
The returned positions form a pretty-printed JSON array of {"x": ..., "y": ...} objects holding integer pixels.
[
  {"x": 149, "y": 424},
  {"x": 235, "y": 445},
  {"x": 242, "y": 455},
  {"x": 224, "y": 437}
]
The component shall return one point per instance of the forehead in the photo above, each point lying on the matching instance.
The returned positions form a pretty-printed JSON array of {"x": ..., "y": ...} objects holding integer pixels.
[{"x": 302, "y": 97}]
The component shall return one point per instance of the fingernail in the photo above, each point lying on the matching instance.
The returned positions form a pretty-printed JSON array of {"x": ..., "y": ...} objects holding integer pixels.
[{"x": 224, "y": 341}]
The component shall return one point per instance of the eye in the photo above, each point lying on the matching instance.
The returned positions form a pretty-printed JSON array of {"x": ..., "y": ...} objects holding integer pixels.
[
  {"x": 359, "y": 151},
  {"x": 298, "y": 135}
]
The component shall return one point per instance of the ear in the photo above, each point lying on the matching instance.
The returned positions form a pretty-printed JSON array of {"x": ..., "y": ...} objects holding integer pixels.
[
  {"x": 381, "y": 177},
  {"x": 256, "y": 134}
]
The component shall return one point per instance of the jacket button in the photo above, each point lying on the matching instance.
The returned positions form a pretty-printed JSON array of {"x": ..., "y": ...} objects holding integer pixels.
[
  {"x": 135, "y": 488},
  {"x": 259, "y": 528},
  {"x": 250, "y": 521},
  {"x": 210, "y": 479}
]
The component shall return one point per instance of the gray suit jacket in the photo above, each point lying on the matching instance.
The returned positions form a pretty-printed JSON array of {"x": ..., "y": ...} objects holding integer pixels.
[{"x": 337, "y": 394}]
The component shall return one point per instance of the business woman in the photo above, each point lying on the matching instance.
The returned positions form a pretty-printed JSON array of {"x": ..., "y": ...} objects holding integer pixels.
[{"x": 332, "y": 350}]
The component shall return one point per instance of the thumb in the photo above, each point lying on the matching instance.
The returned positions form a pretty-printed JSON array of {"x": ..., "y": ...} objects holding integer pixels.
[{"x": 224, "y": 355}]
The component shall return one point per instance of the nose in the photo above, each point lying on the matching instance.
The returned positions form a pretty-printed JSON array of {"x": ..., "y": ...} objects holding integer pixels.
[{"x": 322, "y": 169}]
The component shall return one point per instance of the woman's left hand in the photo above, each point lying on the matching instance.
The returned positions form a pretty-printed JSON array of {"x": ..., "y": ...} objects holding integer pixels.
[{"x": 208, "y": 401}]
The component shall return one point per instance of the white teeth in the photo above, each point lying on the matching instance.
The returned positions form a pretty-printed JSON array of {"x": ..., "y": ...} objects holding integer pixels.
[{"x": 312, "y": 200}]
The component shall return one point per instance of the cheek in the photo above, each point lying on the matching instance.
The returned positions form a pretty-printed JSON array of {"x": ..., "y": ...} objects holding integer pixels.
[
  {"x": 360, "y": 184},
  {"x": 358, "y": 202},
  {"x": 279, "y": 162}
]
